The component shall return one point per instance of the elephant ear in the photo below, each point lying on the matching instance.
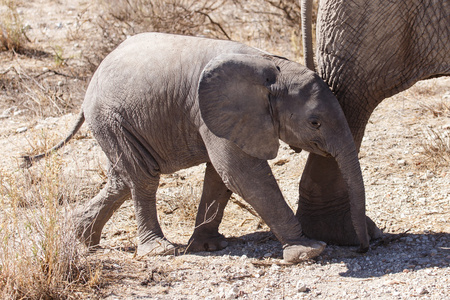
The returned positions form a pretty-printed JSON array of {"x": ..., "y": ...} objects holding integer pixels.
[{"x": 233, "y": 96}]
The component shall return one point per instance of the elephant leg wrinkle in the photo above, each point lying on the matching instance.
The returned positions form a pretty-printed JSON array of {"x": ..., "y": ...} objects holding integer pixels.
[{"x": 151, "y": 237}]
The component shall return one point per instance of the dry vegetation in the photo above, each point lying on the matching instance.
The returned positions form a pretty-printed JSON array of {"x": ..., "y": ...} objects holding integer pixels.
[{"x": 49, "y": 50}]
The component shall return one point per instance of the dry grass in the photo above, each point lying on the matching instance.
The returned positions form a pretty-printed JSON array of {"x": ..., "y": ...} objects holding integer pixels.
[
  {"x": 189, "y": 17},
  {"x": 270, "y": 25},
  {"x": 437, "y": 147},
  {"x": 437, "y": 109},
  {"x": 40, "y": 98},
  {"x": 40, "y": 141},
  {"x": 12, "y": 31},
  {"x": 40, "y": 257},
  {"x": 436, "y": 144},
  {"x": 179, "y": 204}
]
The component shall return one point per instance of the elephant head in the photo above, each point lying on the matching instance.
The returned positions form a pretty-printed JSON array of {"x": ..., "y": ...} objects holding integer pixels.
[{"x": 254, "y": 100}]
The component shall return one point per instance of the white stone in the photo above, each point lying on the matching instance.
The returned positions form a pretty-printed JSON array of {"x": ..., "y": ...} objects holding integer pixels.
[
  {"x": 21, "y": 129},
  {"x": 301, "y": 287}
]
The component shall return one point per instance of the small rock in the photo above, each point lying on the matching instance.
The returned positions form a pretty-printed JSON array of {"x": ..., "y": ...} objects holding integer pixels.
[
  {"x": 275, "y": 267},
  {"x": 423, "y": 291},
  {"x": 273, "y": 284},
  {"x": 221, "y": 293},
  {"x": 259, "y": 273},
  {"x": 281, "y": 162},
  {"x": 21, "y": 129},
  {"x": 10, "y": 111},
  {"x": 401, "y": 162},
  {"x": 356, "y": 267},
  {"x": 232, "y": 293},
  {"x": 268, "y": 254},
  {"x": 18, "y": 112},
  {"x": 60, "y": 83},
  {"x": 428, "y": 175},
  {"x": 301, "y": 287}
]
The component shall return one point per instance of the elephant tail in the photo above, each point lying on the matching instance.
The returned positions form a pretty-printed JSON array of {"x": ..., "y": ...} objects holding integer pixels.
[
  {"x": 308, "y": 51},
  {"x": 28, "y": 160}
]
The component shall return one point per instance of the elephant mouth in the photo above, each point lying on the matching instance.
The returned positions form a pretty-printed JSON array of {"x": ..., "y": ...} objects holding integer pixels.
[{"x": 317, "y": 148}]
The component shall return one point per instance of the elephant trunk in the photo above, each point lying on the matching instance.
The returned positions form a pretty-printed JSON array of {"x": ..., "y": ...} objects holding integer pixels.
[{"x": 348, "y": 162}]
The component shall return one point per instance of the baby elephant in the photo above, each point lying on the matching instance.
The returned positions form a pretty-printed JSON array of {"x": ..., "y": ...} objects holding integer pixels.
[{"x": 160, "y": 103}]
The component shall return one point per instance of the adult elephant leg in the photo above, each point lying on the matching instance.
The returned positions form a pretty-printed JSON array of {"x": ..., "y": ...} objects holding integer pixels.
[
  {"x": 151, "y": 238},
  {"x": 215, "y": 196},
  {"x": 91, "y": 218}
]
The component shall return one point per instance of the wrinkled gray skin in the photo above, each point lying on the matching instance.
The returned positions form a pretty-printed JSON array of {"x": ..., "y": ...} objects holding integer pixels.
[
  {"x": 367, "y": 50},
  {"x": 160, "y": 103}
]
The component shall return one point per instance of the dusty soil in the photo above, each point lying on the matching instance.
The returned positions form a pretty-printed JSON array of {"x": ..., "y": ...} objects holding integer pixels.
[{"x": 408, "y": 193}]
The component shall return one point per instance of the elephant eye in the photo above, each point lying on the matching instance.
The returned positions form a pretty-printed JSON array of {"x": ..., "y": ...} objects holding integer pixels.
[{"x": 315, "y": 123}]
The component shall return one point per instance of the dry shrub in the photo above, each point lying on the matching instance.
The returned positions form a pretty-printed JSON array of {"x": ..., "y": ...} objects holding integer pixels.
[
  {"x": 124, "y": 18},
  {"x": 437, "y": 147},
  {"x": 189, "y": 17},
  {"x": 39, "y": 254},
  {"x": 181, "y": 202},
  {"x": 41, "y": 98},
  {"x": 12, "y": 30},
  {"x": 270, "y": 25},
  {"x": 274, "y": 25},
  {"x": 40, "y": 141},
  {"x": 437, "y": 109}
]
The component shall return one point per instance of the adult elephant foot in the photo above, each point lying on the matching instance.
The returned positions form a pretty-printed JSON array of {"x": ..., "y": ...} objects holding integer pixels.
[
  {"x": 324, "y": 206},
  {"x": 156, "y": 246},
  {"x": 335, "y": 228},
  {"x": 306, "y": 249},
  {"x": 204, "y": 242}
]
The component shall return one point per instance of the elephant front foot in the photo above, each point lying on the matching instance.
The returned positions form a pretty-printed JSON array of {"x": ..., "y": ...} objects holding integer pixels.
[
  {"x": 306, "y": 249},
  {"x": 156, "y": 246},
  {"x": 199, "y": 242}
]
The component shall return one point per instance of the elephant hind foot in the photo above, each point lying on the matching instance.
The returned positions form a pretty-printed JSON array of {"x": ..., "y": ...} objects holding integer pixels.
[
  {"x": 87, "y": 236},
  {"x": 306, "y": 249},
  {"x": 157, "y": 246},
  {"x": 84, "y": 226},
  {"x": 198, "y": 243}
]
